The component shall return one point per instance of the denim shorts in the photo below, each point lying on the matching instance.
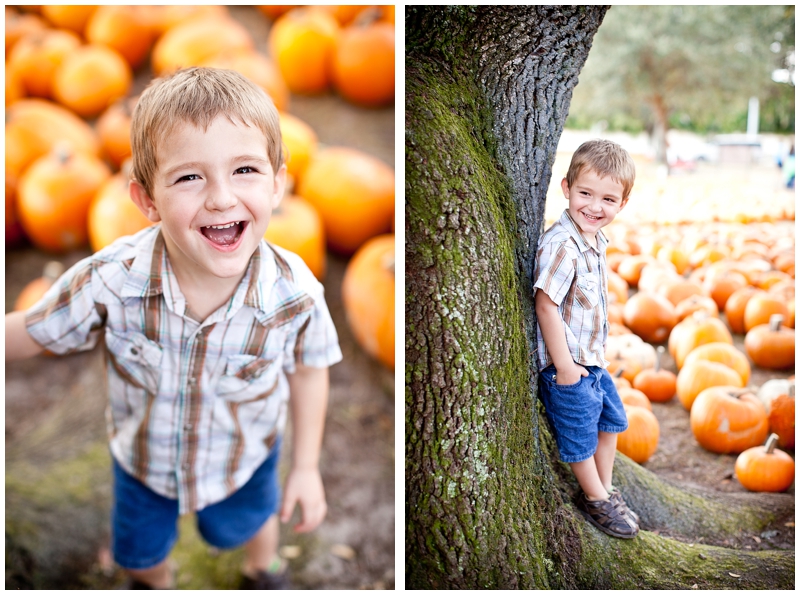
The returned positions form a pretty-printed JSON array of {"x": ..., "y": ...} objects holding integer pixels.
[
  {"x": 577, "y": 412},
  {"x": 144, "y": 525}
]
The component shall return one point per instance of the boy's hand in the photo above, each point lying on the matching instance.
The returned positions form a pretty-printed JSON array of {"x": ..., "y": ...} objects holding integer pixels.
[
  {"x": 304, "y": 487},
  {"x": 571, "y": 374}
]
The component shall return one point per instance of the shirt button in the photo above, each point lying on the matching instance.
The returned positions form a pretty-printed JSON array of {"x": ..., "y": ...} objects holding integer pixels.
[
  {"x": 187, "y": 427},
  {"x": 134, "y": 351},
  {"x": 185, "y": 466},
  {"x": 192, "y": 381}
]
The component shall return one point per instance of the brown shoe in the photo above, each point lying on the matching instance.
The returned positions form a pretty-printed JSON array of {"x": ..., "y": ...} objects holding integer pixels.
[
  {"x": 608, "y": 516},
  {"x": 616, "y": 496},
  {"x": 266, "y": 580}
]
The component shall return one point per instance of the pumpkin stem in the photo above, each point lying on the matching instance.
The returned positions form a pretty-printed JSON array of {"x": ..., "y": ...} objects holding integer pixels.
[
  {"x": 388, "y": 262},
  {"x": 619, "y": 372},
  {"x": 659, "y": 354},
  {"x": 770, "y": 445},
  {"x": 738, "y": 392},
  {"x": 775, "y": 322}
]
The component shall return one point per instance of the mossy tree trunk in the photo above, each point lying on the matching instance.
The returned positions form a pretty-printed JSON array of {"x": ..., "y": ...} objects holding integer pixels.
[{"x": 487, "y": 502}]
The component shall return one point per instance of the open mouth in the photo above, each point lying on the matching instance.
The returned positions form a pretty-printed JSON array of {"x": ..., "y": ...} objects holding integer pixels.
[
  {"x": 591, "y": 217},
  {"x": 226, "y": 234}
]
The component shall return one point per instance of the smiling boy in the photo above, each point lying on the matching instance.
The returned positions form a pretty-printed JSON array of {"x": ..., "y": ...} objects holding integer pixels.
[
  {"x": 570, "y": 293},
  {"x": 211, "y": 334}
]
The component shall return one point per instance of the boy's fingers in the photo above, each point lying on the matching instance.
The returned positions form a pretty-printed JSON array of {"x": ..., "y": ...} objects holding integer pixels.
[{"x": 286, "y": 507}]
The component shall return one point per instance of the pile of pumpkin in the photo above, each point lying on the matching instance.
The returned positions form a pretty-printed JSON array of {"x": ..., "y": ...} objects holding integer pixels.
[
  {"x": 687, "y": 290},
  {"x": 69, "y": 75}
]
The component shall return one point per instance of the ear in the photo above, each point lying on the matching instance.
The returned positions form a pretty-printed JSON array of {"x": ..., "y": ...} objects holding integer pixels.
[
  {"x": 565, "y": 187},
  {"x": 279, "y": 187},
  {"x": 623, "y": 203},
  {"x": 142, "y": 200}
]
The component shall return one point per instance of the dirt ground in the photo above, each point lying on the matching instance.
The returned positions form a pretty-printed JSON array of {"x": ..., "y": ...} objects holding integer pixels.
[{"x": 57, "y": 473}]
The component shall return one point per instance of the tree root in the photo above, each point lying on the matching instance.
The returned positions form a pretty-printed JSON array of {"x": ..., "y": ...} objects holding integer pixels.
[
  {"x": 653, "y": 562},
  {"x": 717, "y": 518}
]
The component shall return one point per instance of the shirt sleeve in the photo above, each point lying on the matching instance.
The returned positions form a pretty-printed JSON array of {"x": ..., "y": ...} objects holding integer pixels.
[
  {"x": 316, "y": 343},
  {"x": 554, "y": 271},
  {"x": 67, "y": 318}
]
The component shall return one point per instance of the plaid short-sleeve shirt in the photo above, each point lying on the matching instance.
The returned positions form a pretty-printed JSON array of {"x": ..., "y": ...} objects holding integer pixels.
[
  {"x": 194, "y": 407},
  {"x": 573, "y": 274}
]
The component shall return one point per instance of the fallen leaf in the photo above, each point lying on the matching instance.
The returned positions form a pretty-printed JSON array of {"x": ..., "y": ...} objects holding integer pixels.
[
  {"x": 345, "y": 552},
  {"x": 735, "y": 575},
  {"x": 695, "y": 587},
  {"x": 756, "y": 538},
  {"x": 790, "y": 524},
  {"x": 701, "y": 556},
  {"x": 290, "y": 552}
]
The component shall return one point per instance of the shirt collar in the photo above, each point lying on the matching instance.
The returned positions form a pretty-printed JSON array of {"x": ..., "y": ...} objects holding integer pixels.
[
  {"x": 146, "y": 276},
  {"x": 575, "y": 234}
]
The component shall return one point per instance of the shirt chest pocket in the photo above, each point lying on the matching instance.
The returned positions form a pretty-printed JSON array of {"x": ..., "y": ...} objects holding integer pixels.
[
  {"x": 587, "y": 292},
  {"x": 248, "y": 378},
  {"x": 136, "y": 359}
]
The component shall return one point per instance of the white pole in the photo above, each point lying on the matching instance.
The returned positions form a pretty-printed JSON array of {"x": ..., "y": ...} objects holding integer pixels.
[{"x": 752, "y": 117}]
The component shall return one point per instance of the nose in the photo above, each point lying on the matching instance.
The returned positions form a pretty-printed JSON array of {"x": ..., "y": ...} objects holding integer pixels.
[{"x": 220, "y": 196}]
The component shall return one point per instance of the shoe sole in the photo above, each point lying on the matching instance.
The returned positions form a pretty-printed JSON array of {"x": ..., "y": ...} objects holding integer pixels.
[{"x": 605, "y": 529}]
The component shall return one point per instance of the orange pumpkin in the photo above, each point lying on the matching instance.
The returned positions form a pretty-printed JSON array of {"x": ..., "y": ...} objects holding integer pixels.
[
  {"x": 112, "y": 213},
  {"x": 344, "y": 14},
  {"x": 771, "y": 345},
  {"x": 696, "y": 303},
  {"x": 368, "y": 297},
  {"x": 194, "y": 42},
  {"x": 640, "y": 440},
  {"x": 630, "y": 268},
  {"x": 700, "y": 375},
  {"x": 761, "y": 306},
  {"x": 722, "y": 285},
  {"x": 674, "y": 255},
  {"x": 296, "y": 226},
  {"x": 722, "y": 353},
  {"x": 363, "y": 64},
  {"x": 354, "y": 193},
  {"x": 680, "y": 289},
  {"x": 91, "y": 78},
  {"x": 114, "y": 128},
  {"x": 273, "y": 11},
  {"x": 617, "y": 288},
  {"x": 259, "y": 69},
  {"x": 765, "y": 468},
  {"x": 73, "y": 16},
  {"x": 15, "y": 89},
  {"x": 693, "y": 331},
  {"x": 162, "y": 18},
  {"x": 728, "y": 420},
  {"x": 19, "y": 25},
  {"x": 658, "y": 384},
  {"x": 37, "y": 56},
  {"x": 54, "y": 197},
  {"x": 301, "y": 144},
  {"x": 651, "y": 316},
  {"x": 619, "y": 380},
  {"x": 34, "y": 290},
  {"x": 34, "y": 126},
  {"x": 634, "y": 397},
  {"x": 123, "y": 28},
  {"x": 735, "y": 306},
  {"x": 303, "y": 42}
]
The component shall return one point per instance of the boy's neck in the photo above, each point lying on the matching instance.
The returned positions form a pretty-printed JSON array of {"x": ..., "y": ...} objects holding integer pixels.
[
  {"x": 204, "y": 295},
  {"x": 591, "y": 238}
]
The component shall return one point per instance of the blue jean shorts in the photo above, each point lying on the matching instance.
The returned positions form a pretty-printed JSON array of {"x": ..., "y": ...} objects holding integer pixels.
[
  {"x": 577, "y": 412},
  {"x": 144, "y": 525}
]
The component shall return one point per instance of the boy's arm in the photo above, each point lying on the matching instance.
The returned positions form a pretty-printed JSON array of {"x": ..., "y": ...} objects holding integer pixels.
[
  {"x": 19, "y": 344},
  {"x": 308, "y": 403},
  {"x": 567, "y": 371}
]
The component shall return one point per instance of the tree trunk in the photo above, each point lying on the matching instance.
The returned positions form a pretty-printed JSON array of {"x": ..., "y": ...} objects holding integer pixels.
[{"x": 488, "y": 504}]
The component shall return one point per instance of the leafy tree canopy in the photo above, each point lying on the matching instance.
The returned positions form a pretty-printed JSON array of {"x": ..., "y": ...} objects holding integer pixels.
[{"x": 693, "y": 67}]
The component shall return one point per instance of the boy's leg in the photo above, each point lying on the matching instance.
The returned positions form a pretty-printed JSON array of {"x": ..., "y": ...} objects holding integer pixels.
[
  {"x": 157, "y": 577},
  {"x": 586, "y": 473},
  {"x": 604, "y": 457},
  {"x": 261, "y": 552}
]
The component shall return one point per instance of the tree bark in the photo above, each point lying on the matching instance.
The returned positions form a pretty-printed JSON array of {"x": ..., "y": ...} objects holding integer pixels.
[{"x": 488, "y": 504}]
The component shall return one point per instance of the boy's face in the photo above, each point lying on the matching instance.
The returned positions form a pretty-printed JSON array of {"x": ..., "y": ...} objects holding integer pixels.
[
  {"x": 594, "y": 201},
  {"x": 214, "y": 192}
]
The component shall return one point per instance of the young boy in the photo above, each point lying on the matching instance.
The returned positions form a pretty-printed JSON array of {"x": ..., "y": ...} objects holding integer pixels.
[
  {"x": 211, "y": 334},
  {"x": 570, "y": 293}
]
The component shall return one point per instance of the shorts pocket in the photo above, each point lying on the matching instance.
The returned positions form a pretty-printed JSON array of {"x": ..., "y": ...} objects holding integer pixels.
[
  {"x": 136, "y": 358},
  {"x": 248, "y": 378}
]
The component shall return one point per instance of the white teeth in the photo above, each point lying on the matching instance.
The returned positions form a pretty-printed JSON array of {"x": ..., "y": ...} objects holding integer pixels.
[{"x": 223, "y": 226}]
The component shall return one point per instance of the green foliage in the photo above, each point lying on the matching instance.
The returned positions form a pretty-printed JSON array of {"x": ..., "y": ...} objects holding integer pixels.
[{"x": 700, "y": 63}]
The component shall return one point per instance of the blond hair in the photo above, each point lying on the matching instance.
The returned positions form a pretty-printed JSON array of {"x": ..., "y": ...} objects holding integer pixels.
[
  {"x": 197, "y": 96},
  {"x": 607, "y": 159}
]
